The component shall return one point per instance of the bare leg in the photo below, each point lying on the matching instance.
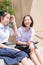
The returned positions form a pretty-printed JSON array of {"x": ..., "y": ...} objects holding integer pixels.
[
  {"x": 30, "y": 62},
  {"x": 38, "y": 56},
  {"x": 34, "y": 58},
  {"x": 26, "y": 61}
]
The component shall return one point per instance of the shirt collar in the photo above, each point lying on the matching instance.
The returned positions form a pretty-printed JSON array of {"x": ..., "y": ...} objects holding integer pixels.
[
  {"x": 2, "y": 26},
  {"x": 24, "y": 29}
]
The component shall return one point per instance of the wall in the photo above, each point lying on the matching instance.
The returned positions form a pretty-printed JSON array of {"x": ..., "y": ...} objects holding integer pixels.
[
  {"x": 37, "y": 14},
  {"x": 34, "y": 8},
  {"x": 22, "y": 7}
]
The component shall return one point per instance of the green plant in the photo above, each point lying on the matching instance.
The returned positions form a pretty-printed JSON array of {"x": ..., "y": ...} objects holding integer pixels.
[{"x": 6, "y": 5}]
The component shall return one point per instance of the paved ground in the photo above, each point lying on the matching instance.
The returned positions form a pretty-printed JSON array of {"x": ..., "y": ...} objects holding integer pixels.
[{"x": 41, "y": 51}]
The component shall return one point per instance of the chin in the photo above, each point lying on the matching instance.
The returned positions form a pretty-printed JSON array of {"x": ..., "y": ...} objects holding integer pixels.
[
  {"x": 6, "y": 24},
  {"x": 27, "y": 25}
]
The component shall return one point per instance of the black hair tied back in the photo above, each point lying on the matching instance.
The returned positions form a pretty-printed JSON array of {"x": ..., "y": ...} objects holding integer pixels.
[{"x": 1, "y": 13}]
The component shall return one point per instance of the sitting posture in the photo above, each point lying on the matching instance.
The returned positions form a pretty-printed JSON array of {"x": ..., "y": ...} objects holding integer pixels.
[
  {"x": 10, "y": 55},
  {"x": 25, "y": 40}
]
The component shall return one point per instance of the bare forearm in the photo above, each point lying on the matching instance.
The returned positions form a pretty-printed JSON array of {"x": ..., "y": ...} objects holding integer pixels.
[
  {"x": 2, "y": 45},
  {"x": 22, "y": 43},
  {"x": 15, "y": 30},
  {"x": 14, "y": 25},
  {"x": 30, "y": 42}
]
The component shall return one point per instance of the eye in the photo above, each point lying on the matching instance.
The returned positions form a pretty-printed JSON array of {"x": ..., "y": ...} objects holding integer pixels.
[
  {"x": 26, "y": 20},
  {"x": 8, "y": 18}
]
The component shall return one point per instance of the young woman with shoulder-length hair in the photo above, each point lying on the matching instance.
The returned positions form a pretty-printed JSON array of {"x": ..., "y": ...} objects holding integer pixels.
[{"x": 25, "y": 40}]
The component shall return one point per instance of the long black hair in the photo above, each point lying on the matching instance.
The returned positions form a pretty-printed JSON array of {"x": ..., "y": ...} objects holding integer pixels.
[{"x": 31, "y": 25}]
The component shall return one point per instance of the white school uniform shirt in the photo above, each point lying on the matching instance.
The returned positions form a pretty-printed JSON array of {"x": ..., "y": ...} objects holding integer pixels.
[
  {"x": 24, "y": 35},
  {"x": 5, "y": 32}
]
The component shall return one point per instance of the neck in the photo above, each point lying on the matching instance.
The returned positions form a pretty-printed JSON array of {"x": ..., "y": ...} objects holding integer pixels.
[
  {"x": 2, "y": 23},
  {"x": 27, "y": 28}
]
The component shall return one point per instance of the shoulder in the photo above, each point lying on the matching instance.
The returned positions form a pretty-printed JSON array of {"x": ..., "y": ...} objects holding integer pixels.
[
  {"x": 20, "y": 28},
  {"x": 32, "y": 30}
]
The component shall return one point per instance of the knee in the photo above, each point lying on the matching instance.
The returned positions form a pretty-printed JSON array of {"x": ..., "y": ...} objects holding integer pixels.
[{"x": 23, "y": 54}]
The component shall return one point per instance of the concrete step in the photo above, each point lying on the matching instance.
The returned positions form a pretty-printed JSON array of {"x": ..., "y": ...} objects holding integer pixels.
[{"x": 2, "y": 62}]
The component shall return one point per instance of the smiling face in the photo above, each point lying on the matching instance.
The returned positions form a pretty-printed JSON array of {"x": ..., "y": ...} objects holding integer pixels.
[
  {"x": 27, "y": 21},
  {"x": 5, "y": 19}
]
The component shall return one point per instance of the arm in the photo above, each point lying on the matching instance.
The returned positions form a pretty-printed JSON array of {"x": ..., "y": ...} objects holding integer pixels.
[
  {"x": 3, "y": 46},
  {"x": 19, "y": 37},
  {"x": 30, "y": 42},
  {"x": 22, "y": 43},
  {"x": 32, "y": 34},
  {"x": 14, "y": 25}
]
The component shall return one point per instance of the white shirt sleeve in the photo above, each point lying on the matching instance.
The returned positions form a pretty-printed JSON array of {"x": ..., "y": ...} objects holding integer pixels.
[
  {"x": 18, "y": 38},
  {"x": 32, "y": 35},
  {"x": 0, "y": 38}
]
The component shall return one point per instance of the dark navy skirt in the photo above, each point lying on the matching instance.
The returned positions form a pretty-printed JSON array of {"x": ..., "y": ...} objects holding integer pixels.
[
  {"x": 25, "y": 48},
  {"x": 11, "y": 56}
]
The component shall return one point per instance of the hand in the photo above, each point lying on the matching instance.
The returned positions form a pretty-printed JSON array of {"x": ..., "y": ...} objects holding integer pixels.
[
  {"x": 12, "y": 18},
  {"x": 31, "y": 46}
]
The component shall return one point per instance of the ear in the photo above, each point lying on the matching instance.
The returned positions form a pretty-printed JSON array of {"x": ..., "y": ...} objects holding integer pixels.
[{"x": 2, "y": 17}]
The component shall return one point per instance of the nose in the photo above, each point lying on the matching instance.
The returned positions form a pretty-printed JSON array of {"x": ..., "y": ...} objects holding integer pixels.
[
  {"x": 27, "y": 21},
  {"x": 8, "y": 20}
]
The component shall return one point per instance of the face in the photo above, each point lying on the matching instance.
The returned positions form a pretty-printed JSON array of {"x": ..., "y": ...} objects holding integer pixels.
[
  {"x": 6, "y": 19},
  {"x": 27, "y": 21}
]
